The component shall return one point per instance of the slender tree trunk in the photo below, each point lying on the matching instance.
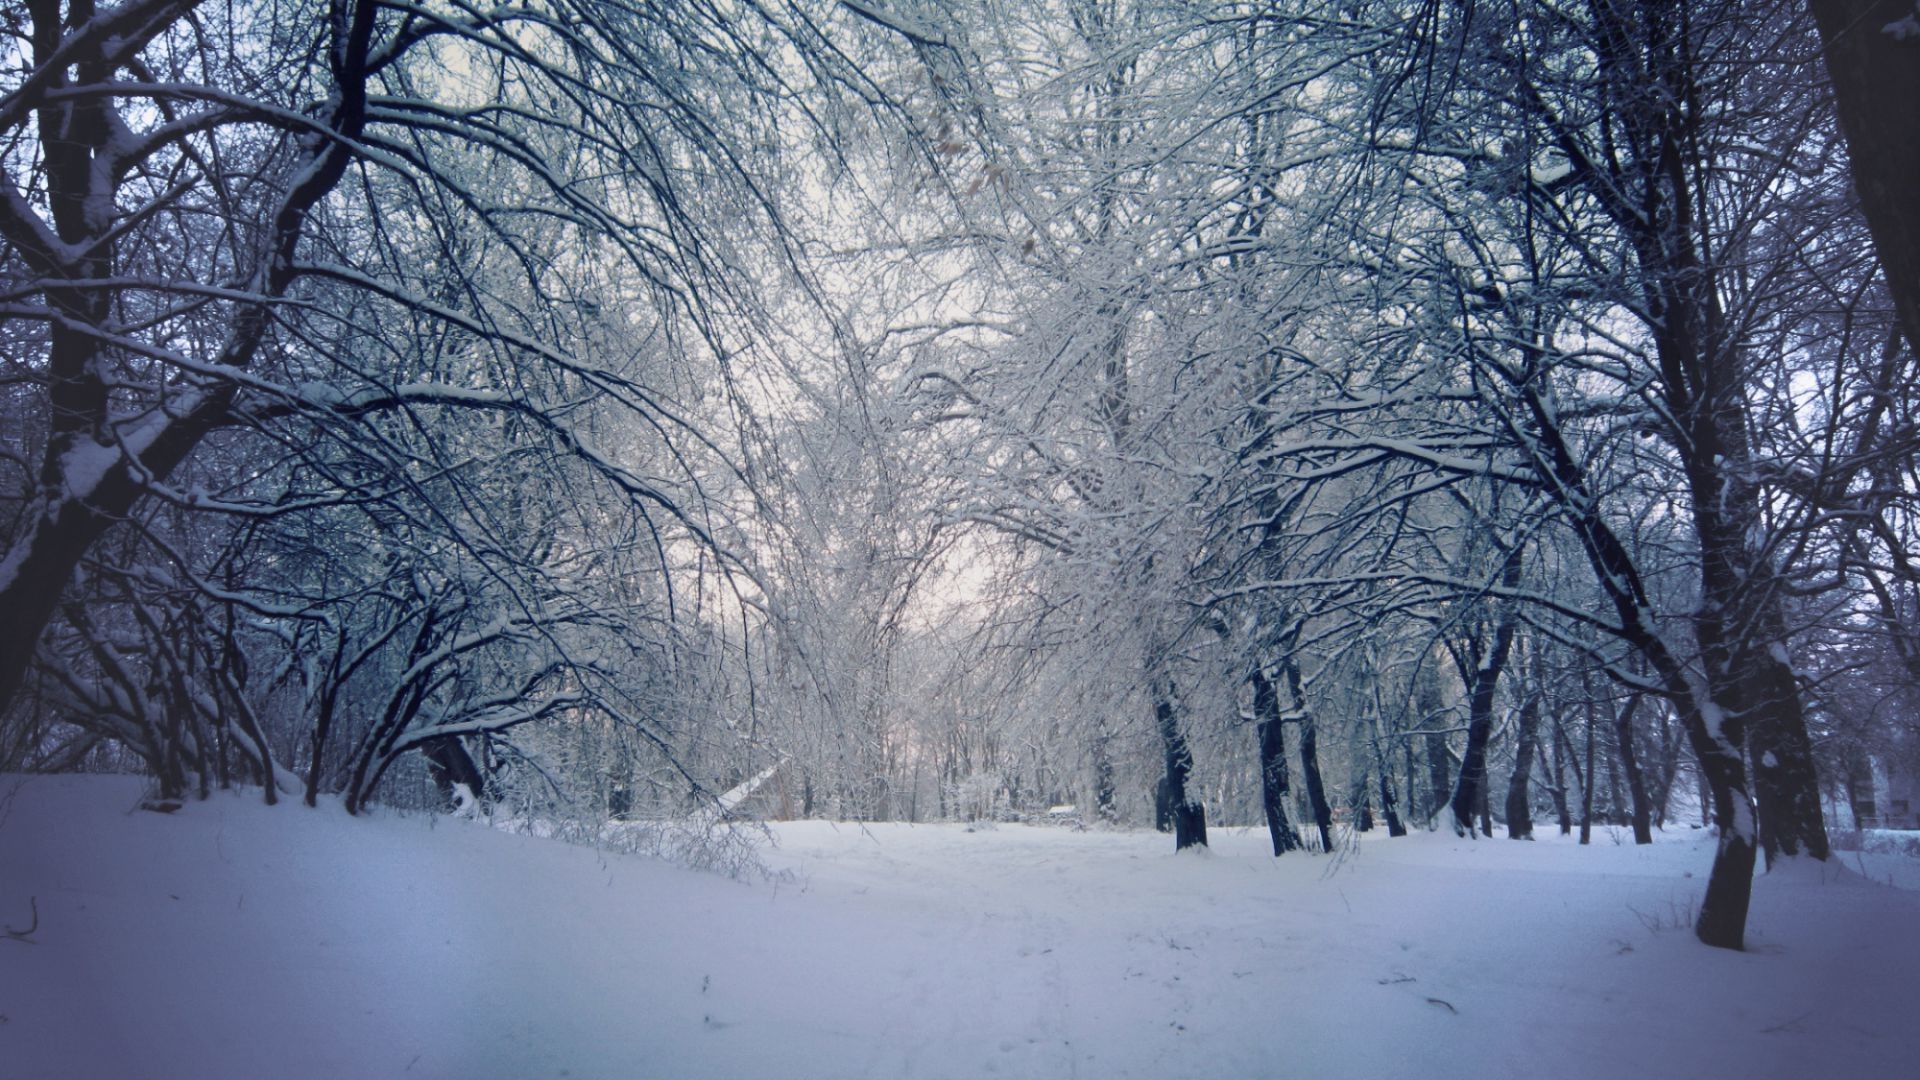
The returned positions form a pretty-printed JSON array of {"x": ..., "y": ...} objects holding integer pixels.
[
  {"x": 1316, "y": 790},
  {"x": 1310, "y": 757},
  {"x": 1103, "y": 778},
  {"x": 1486, "y": 808},
  {"x": 913, "y": 793},
  {"x": 1413, "y": 775},
  {"x": 1519, "y": 801},
  {"x": 1562, "y": 749},
  {"x": 1189, "y": 818},
  {"x": 1630, "y": 764},
  {"x": 1660, "y": 798},
  {"x": 1586, "y": 794},
  {"x": 1388, "y": 804},
  {"x": 1439, "y": 775},
  {"x": 1274, "y": 783},
  {"x": 1469, "y": 796}
]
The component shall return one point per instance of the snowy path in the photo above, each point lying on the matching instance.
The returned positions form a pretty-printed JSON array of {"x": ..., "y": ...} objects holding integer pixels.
[{"x": 231, "y": 940}]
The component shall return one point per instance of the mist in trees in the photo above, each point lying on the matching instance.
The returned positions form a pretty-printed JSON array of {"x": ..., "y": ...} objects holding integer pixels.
[{"x": 1495, "y": 419}]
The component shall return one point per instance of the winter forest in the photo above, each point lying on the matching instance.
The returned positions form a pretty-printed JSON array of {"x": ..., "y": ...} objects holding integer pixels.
[{"x": 1426, "y": 421}]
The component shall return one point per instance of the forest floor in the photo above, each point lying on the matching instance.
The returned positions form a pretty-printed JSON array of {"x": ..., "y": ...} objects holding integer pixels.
[{"x": 235, "y": 940}]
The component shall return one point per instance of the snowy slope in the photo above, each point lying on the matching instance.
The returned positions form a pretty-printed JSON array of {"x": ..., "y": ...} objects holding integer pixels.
[{"x": 233, "y": 940}]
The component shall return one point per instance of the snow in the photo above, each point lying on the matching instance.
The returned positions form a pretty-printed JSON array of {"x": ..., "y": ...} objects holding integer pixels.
[{"x": 236, "y": 940}]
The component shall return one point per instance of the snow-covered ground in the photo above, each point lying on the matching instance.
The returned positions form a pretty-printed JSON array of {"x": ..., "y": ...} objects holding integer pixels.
[{"x": 233, "y": 940}]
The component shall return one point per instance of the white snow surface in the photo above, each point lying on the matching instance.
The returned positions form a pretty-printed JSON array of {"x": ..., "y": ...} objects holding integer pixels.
[{"x": 235, "y": 940}]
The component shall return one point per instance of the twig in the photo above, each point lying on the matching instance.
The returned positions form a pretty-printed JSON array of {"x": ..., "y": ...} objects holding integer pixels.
[
  {"x": 1447, "y": 1005},
  {"x": 33, "y": 907}
]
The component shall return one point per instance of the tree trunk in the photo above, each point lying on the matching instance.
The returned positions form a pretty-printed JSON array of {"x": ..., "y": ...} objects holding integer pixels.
[
  {"x": 1519, "y": 802},
  {"x": 1413, "y": 775},
  {"x": 1786, "y": 782},
  {"x": 1316, "y": 791},
  {"x": 1274, "y": 784},
  {"x": 1630, "y": 764},
  {"x": 1439, "y": 781},
  {"x": 1103, "y": 778},
  {"x": 1872, "y": 73},
  {"x": 1388, "y": 804},
  {"x": 1561, "y": 750},
  {"x": 1439, "y": 778},
  {"x": 1310, "y": 757},
  {"x": 1586, "y": 794},
  {"x": 1486, "y": 808},
  {"x": 1661, "y": 795},
  {"x": 1469, "y": 796},
  {"x": 1722, "y": 921},
  {"x": 1187, "y": 817}
]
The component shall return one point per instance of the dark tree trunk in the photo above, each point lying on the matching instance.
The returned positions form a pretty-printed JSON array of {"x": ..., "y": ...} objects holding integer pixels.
[
  {"x": 1388, "y": 807},
  {"x": 1630, "y": 764},
  {"x": 1103, "y": 778},
  {"x": 322, "y": 728},
  {"x": 1363, "y": 806},
  {"x": 1486, "y": 808},
  {"x": 1316, "y": 790},
  {"x": 1470, "y": 795},
  {"x": 1614, "y": 814},
  {"x": 1661, "y": 795},
  {"x": 1586, "y": 793},
  {"x": 1310, "y": 758},
  {"x": 1413, "y": 775},
  {"x": 1562, "y": 749},
  {"x": 1439, "y": 776},
  {"x": 1188, "y": 817},
  {"x": 1519, "y": 800},
  {"x": 1722, "y": 921},
  {"x": 1786, "y": 782},
  {"x": 1871, "y": 73},
  {"x": 1274, "y": 783}
]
